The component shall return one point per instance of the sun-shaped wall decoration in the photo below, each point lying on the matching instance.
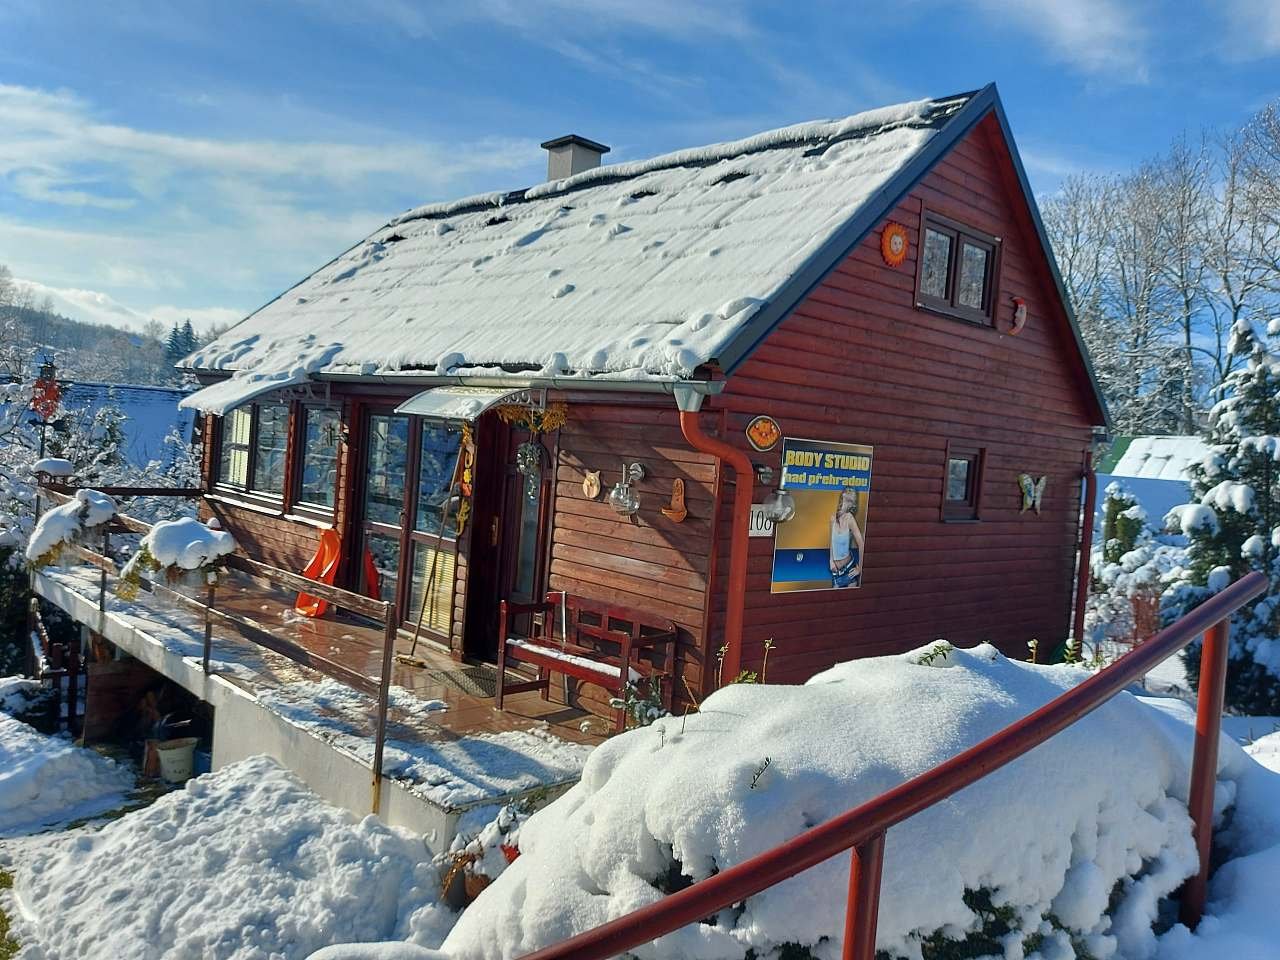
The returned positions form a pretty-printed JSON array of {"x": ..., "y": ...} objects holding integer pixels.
[{"x": 893, "y": 244}]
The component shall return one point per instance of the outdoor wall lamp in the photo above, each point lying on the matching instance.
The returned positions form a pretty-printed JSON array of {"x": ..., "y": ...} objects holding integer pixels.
[
  {"x": 623, "y": 497},
  {"x": 780, "y": 506},
  {"x": 764, "y": 473}
]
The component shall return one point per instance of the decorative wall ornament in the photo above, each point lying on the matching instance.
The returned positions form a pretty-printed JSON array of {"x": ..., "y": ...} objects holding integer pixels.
[
  {"x": 676, "y": 510},
  {"x": 1032, "y": 491},
  {"x": 1019, "y": 316},
  {"x": 591, "y": 484},
  {"x": 529, "y": 466},
  {"x": 763, "y": 433},
  {"x": 467, "y": 452},
  {"x": 532, "y": 418},
  {"x": 894, "y": 244}
]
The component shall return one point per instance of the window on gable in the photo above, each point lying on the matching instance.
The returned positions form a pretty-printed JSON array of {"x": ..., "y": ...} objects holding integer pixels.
[
  {"x": 254, "y": 441},
  {"x": 957, "y": 269},
  {"x": 962, "y": 482}
]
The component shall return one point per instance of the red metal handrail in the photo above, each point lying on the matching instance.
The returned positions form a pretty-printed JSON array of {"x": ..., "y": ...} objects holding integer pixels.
[{"x": 862, "y": 829}]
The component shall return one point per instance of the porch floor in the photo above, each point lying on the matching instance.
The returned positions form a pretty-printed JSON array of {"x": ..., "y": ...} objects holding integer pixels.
[{"x": 445, "y": 739}]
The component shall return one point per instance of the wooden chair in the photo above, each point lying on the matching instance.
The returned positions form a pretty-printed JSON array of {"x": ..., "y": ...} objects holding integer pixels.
[{"x": 584, "y": 650}]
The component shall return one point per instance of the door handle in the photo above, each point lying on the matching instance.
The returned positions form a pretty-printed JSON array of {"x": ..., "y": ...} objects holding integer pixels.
[{"x": 493, "y": 532}]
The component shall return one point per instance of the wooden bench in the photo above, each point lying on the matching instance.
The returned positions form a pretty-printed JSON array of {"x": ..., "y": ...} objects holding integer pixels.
[{"x": 585, "y": 651}]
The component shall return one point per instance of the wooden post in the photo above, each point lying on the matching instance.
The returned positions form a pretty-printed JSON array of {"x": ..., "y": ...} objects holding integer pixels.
[
  {"x": 1204, "y": 764},
  {"x": 102, "y": 576},
  {"x": 33, "y": 666},
  {"x": 208, "y": 626},
  {"x": 384, "y": 694},
  {"x": 73, "y": 683},
  {"x": 864, "y": 900}
]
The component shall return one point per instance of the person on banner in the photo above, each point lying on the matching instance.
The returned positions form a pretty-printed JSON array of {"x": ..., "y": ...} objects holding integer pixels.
[{"x": 846, "y": 542}]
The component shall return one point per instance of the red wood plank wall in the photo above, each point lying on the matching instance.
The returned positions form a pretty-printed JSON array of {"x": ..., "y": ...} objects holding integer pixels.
[{"x": 856, "y": 362}]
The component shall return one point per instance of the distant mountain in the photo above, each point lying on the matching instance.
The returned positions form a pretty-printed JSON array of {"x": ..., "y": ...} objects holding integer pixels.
[
  {"x": 92, "y": 351},
  {"x": 88, "y": 306}
]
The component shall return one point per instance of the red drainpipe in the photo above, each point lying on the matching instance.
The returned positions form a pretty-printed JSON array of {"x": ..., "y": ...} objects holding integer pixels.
[
  {"x": 1086, "y": 547},
  {"x": 743, "y": 491}
]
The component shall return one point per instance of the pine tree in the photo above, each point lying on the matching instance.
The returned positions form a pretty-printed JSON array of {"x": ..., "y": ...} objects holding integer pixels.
[
  {"x": 189, "y": 341},
  {"x": 174, "y": 349},
  {"x": 1233, "y": 524}
]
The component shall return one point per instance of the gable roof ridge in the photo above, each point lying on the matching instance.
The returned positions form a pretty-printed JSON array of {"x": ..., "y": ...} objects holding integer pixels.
[{"x": 919, "y": 114}]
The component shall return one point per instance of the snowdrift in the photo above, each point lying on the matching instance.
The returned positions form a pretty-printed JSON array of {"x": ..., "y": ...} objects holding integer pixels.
[
  {"x": 49, "y": 780},
  {"x": 244, "y": 864},
  {"x": 1074, "y": 845}
]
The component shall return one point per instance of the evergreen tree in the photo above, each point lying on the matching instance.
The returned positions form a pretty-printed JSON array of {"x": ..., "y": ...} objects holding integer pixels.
[
  {"x": 1233, "y": 523},
  {"x": 174, "y": 348},
  {"x": 189, "y": 341}
]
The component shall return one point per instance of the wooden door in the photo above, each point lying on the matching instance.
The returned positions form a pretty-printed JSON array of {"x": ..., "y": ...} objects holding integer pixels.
[{"x": 509, "y": 539}]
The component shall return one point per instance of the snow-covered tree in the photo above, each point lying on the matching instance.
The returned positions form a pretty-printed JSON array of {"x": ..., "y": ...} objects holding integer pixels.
[
  {"x": 1129, "y": 566},
  {"x": 1233, "y": 523}
]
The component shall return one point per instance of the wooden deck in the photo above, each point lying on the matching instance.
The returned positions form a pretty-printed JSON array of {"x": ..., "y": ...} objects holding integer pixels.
[{"x": 467, "y": 689}]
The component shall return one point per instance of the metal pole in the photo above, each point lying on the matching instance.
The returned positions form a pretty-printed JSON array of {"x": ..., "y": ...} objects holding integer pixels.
[
  {"x": 208, "y": 626},
  {"x": 384, "y": 693},
  {"x": 1204, "y": 764},
  {"x": 864, "y": 900}
]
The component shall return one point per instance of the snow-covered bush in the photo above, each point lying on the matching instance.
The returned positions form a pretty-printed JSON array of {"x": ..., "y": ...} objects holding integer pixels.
[
  {"x": 1129, "y": 567},
  {"x": 175, "y": 548},
  {"x": 68, "y": 523},
  {"x": 1233, "y": 524},
  {"x": 1071, "y": 850}
]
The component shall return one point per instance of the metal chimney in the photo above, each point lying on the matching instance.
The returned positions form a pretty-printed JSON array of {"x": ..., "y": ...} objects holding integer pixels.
[{"x": 572, "y": 154}]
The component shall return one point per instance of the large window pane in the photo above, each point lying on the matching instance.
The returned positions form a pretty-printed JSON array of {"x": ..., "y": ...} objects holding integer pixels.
[
  {"x": 233, "y": 460},
  {"x": 388, "y": 446},
  {"x": 269, "y": 448},
  {"x": 435, "y": 469},
  {"x": 322, "y": 428},
  {"x": 973, "y": 277},
  {"x": 527, "y": 550},
  {"x": 937, "y": 261},
  {"x": 436, "y": 616},
  {"x": 382, "y": 564}
]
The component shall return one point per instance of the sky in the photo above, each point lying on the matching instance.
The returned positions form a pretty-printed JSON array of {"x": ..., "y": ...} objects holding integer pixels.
[{"x": 195, "y": 159}]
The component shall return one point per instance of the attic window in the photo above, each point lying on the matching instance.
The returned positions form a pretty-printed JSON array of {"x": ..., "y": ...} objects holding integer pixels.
[
  {"x": 957, "y": 269},
  {"x": 731, "y": 176}
]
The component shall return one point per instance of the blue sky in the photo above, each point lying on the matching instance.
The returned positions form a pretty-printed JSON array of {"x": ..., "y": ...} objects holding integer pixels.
[{"x": 195, "y": 159}]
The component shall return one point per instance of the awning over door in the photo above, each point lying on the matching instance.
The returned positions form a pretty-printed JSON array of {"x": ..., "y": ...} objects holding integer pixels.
[
  {"x": 218, "y": 398},
  {"x": 460, "y": 403}
]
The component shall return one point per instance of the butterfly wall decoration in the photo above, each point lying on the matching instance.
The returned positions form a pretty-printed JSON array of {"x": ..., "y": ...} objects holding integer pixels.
[{"x": 1032, "y": 491}]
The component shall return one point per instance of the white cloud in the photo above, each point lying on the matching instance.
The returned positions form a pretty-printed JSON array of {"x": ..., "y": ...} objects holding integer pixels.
[
  {"x": 1099, "y": 37},
  {"x": 104, "y": 214},
  {"x": 94, "y": 306},
  {"x": 1253, "y": 28}
]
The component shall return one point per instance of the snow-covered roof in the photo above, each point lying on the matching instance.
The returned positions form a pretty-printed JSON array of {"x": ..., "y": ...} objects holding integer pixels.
[
  {"x": 1160, "y": 458},
  {"x": 636, "y": 271}
]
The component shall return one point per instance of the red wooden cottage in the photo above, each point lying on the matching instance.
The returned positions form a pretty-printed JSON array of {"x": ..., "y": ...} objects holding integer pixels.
[{"x": 857, "y": 326}]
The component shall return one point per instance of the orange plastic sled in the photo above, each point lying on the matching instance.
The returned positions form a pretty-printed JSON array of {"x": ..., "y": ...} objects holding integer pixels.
[{"x": 323, "y": 567}]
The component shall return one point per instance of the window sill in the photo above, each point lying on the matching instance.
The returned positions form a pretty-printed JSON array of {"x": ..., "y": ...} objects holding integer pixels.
[
  {"x": 961, "y": 519},
  {"x": 247, "y": 502},
  {"x": 954, "y": 313}
]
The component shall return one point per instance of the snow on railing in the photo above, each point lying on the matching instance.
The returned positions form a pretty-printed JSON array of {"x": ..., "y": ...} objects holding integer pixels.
[{"x": 863, "y": 828}]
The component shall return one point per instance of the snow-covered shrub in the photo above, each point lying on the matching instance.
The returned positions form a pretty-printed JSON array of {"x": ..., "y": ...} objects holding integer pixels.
[
  {"x": 1072, "y": 848},
  {"x": 175, "y": 548},
  {"x": 71, "y": 522},
  {"x": 1233, "y": 525},
  {"x": 1129, "y": 566}
]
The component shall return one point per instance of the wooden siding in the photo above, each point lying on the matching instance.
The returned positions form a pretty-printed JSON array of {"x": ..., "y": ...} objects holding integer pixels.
[
  {"x": 648, "y": 562},
  {"x": 858, "y": 362}
]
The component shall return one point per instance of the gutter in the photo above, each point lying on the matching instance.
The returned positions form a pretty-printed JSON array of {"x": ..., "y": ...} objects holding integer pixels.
[
  {"x": 1084, "y": 572},
  {"x": 668, "y": 387},
  {"x": 689, "y": 400}
]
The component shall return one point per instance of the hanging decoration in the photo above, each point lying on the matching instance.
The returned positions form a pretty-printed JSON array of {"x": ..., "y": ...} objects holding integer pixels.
[
  {"x": 893, "y": 244},
  {"x": 467, "y": 452},
  {"x": 591, "y": 484},
  {"x": 1019, "y": 316},
  {"x": 676, "y": 511},
  {"x": 529, "y": 466},
  {"x": 1032, "y": 491},
  {"x": 532, "y": 418},
  {"x": 46, "y": 393}
]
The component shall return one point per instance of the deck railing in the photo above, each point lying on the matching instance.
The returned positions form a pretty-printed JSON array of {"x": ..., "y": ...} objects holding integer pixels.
[
  {"x": 863, "y": 828},
  {"x": 246, "y": 627}
]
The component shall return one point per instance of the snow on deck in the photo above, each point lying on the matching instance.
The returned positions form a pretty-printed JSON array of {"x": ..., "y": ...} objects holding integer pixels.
[
  {"x": 630, "y": 271},
  {"x": 439, "y": 761}
]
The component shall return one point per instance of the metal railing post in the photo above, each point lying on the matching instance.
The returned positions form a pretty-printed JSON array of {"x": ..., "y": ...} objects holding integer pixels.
[
  {"x": 208, "y": 626},
  {"x": 1204, "y": 764},
  {"x": 863, "y": 908},
  {"x": 384, "y": 695}
]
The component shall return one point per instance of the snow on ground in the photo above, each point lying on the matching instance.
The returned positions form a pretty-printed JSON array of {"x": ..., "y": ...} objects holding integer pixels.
[
  {"x": 244, "y": 864},
  {"x": 46, "y": 781},
  {"x": 451, "y": 772},
  {"x": 1096, "y": 813},
  {"x": 20, "y": 694}
]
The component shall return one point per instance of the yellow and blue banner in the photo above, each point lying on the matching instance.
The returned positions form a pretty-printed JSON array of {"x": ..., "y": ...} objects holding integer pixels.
[{"x": 823, "y": 546}]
